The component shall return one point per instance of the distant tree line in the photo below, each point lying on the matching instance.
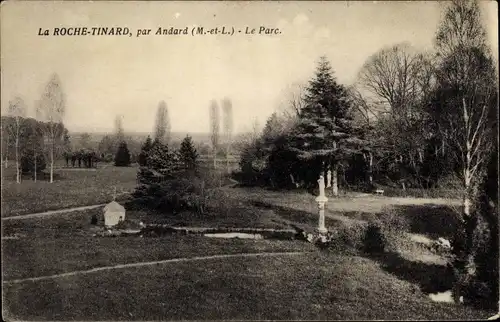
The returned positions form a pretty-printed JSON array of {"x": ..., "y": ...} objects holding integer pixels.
[{"x": 23, "y": 141}]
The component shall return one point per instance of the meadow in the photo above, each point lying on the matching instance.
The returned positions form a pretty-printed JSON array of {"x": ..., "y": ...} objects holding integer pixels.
[
  {"x": 72, "y": 187},
  {"x": 338, "y": 283}
]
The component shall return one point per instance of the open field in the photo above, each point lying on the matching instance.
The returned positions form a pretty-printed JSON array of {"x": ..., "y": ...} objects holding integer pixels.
[
  {"x": 71, "y": 188},
  {"x": 26, "y": 257},
  {"x": 315, "y": 285}
]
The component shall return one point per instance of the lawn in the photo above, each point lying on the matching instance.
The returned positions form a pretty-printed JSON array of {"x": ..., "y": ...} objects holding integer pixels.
[
  {"x": 316, "y": 285},
  {"x": 310, "y": 286},
  {"x": 28, "y": 257},
  {"x": 71, "y": 188}
]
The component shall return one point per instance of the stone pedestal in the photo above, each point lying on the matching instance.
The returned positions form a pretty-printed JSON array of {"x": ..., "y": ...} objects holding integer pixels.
[{"x": 321, "y": 200}]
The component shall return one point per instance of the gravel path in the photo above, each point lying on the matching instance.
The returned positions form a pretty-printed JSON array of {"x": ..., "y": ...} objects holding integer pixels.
[
  {"x": 53, "y": 212},
  {"x": 173, "y": 260}
]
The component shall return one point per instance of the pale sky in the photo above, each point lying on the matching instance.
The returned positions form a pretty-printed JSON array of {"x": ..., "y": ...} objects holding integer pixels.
[{"x": 103, "y": 76}]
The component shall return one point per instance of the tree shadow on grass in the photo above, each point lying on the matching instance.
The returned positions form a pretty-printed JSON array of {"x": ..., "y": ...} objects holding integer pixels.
[
  {"x": 428, "y": 219},
  {"x": 293, "y": 215},
  {"x": 431, "y": 278}
]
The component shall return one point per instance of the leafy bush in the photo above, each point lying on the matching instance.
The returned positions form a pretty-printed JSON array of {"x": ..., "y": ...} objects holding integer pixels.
[
  {"x": 108, "y": 158},
  {"x": 128, "y": 224},
  {"x": 252, "y": 164},
  {"x": 374, "y": 241},
  {"x": 28, "y": 163},
  {"x": 173, "y": 195},
  {"x": 345, "y": 238}
]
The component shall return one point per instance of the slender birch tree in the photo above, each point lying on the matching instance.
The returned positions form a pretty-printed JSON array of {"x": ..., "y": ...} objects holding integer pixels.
[
  {"x": 51, "y": 110},
  {"x": 465, "y": 107},
  {"x": 17, "y": 112},
  {"x": 466, "y": 92}
]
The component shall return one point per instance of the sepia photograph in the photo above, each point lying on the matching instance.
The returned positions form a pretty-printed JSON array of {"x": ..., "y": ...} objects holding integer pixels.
[{"x": 249, "y": 160}]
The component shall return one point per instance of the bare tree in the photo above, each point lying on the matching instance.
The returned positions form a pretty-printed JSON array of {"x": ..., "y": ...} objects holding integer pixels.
[
  {"x": 227, "y": 109},
  {"x": 366, "y": 116},
  {"x": 294, "y": 101},
  {"x": 466, "y": 92},
  {"x": 255, "y": 129},
  {"x": 16, "y": 111},
  {"x": 398, "y": 79},
  {"x": 162, "y": 125},
  {"x": 461, "y": 28},
  {"x": 392, "y": 74},
  {"x": 214, "y": 129},
  {"x": 51, "y": 110}
]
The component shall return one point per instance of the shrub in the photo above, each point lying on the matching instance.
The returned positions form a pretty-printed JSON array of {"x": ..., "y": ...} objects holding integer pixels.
[
  {"x": 28, "y": 163},
  {"x": 374, "y": 241},
  {"x": 252, "y": 164},
  {"x": 345, "y": 238},
  {"x": 173, "y": 195},
  {"x": 108, "y": 158}
]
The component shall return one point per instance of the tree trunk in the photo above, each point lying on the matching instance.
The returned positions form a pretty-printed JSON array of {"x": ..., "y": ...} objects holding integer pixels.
[
  {"x": 215, "y": 160},
  {"x": 52, "y": 165},
  {"x": 18, "y": 174},
  {"x": 466, "y": 202},
  {"x": 35, "y": 168},
  {"x": 335, "y": 186},
  {"x": 370, "y": 168}
]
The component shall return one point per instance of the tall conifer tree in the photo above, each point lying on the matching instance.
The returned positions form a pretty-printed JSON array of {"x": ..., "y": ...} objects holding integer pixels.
[{"x": 325, "y": 132}]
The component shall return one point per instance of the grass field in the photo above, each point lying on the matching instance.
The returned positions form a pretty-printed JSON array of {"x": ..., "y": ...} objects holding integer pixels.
[
  {"x": 316, "y": 285},
  {"x": 28, "y": 257},
  {"x": 71, "y": 188}
]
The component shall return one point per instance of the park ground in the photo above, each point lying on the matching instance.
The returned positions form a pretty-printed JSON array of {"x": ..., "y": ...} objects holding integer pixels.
[{"x": 289, "y": 279}]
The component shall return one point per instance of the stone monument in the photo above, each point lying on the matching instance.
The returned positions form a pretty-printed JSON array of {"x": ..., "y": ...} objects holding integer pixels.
[
  {"x": 329, "y": 179},
  {"x": 321, "y": 200}
]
